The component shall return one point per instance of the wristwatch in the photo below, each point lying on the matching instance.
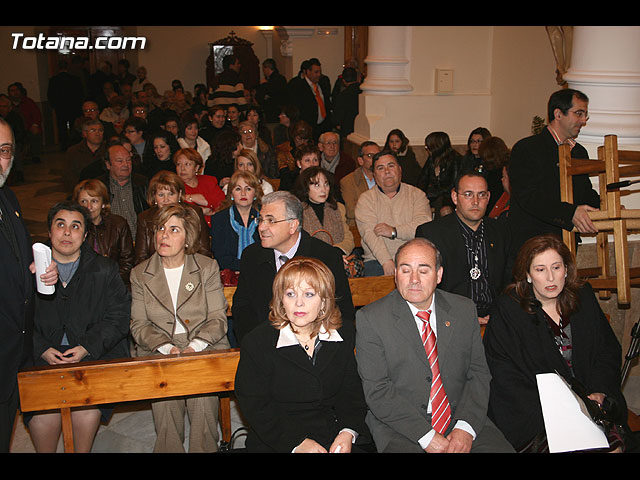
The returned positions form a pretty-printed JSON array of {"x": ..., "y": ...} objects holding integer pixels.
[{"x": 394, "y": 233}]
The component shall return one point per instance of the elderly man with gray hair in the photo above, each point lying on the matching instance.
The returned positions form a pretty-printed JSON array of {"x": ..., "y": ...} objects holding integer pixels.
[{"x": 281, "y": 238}]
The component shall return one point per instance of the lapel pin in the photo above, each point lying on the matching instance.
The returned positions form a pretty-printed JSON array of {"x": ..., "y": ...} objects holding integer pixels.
[
  {"x": 447, "y": 323},
  {"x": 189, "y": 286}
]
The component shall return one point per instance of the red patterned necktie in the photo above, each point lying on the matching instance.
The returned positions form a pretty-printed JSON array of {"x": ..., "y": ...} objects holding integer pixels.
[{"x": 440, "y": 408}]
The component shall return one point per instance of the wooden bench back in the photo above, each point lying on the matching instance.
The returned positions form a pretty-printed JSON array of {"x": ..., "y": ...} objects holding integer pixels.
[
  {"x": 364, "y": 290},
  {"x": 127, "y": 380}
]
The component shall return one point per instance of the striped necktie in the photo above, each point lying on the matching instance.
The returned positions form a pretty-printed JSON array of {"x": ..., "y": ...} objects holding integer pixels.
[{"x": 440, "y": 408}]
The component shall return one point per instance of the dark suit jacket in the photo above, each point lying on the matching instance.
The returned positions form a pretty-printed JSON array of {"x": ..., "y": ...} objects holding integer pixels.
[
  {"x": 301, "y": 95},
  {"x": 17, "y": 290},
  {"x": 285, "y": 398},
  {"x": 519, "y": 345},
  {"x": 258, "y": 269},
  {"x": 446, "y": 233},
  {"x": 395, "y": 371},
  {"x": 535, "y": 189}
]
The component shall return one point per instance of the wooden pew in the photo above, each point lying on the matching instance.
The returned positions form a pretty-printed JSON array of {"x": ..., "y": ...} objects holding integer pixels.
[
  {"x": 364, "y": 290},
  {"x": 158, "y": 376},
  {"x": 127, "y": 380}
]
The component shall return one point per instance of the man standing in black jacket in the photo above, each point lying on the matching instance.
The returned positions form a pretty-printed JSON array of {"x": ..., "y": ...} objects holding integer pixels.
[
  {"x": 17, "y": 288},
  {"x": 534, "y": 175}
]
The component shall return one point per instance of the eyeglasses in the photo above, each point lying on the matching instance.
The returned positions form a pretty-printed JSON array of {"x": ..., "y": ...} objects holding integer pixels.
[
  {"x": 6, "y": 151},
  {"x": 247, "y": 131},
  {"x": 469, "y": 195},
  {"x": 580, "y": 114},
  {"x": 330, "y": 143},
  {"x": 270, "y": 221}
]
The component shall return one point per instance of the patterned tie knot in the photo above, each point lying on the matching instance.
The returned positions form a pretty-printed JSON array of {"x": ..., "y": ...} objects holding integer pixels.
[{"x": 424, "y": 315}]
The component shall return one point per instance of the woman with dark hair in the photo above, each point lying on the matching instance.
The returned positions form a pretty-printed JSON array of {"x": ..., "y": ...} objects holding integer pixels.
[
  {"x": 165, "y": 188},
  {"x": 85, "y": 319},
  {"x": 165, "y": 145},
  {"x": 255, "y": 115},
  {"x": 225, "y": 148},
  {"x": 289, "y": 115},
  {"x": 398, "y": 142},
  {"x": 108, "y": 234},
  {"x": 178, "y": 307},
  {"x": 548, "y": 321},
  {"x": 495, "y": 160},
  {"x": 297, "y": 383},
  {"x": 188, "y": 136},
  {"x": 301, "y": 135},
  {"x": 472, "y": 160},
  {"x": 440, "y": 171},
  {"x": 323, "y": 216}
]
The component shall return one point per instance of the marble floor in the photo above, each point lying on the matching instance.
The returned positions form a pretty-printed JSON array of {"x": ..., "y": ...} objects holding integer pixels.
[{"x": 130, "y": 429}]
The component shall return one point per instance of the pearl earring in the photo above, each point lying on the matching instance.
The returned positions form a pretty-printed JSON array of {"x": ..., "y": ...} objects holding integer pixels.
[{"x": 528, "y": 279}]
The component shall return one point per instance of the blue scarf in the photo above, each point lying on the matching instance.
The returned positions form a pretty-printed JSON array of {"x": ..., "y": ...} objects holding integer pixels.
[{"x": 245, "y": 234}]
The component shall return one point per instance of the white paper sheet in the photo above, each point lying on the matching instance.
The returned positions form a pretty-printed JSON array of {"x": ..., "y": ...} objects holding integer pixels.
[
  {"x": 42, "y": 259},
  {"x": 567, "y": 422}
]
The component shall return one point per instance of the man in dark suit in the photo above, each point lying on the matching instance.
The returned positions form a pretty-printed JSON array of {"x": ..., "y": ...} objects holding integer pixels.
[
  {"x": 281, "y": 235},
  {"x": 17, "y": 289},
  {"x": 312, "y": 95},
  {"x": 534, "y": 176},
  {"x": 422, "y": 364},
  {"x": 474, "y": 248}
]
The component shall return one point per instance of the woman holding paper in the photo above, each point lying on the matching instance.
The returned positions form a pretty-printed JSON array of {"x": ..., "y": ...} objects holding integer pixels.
[{"x": 548, "y": 321}]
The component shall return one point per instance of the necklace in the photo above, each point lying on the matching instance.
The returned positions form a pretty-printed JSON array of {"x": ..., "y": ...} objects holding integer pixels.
[{"x": 66, "y": 281}]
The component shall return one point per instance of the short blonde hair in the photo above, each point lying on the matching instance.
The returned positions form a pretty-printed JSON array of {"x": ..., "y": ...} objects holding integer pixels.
[
  {"x": 191, "y": 154},
  {"x": 320, "y": 278},
  {"x": 164, "y": 179},
  {"x": 95, "y": 188},
  {"x": 190, "y": 221},
  {"x": 251, "y": 180}
]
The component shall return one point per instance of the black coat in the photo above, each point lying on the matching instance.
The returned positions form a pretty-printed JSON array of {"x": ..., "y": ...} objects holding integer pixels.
[
  {"x": 94, "y": 310},
  {"x": 446, "y": 233},
  {"x": 17, "y": 289},
  {"x": 258, "y": 269},
  {"x": 285, "y": 398},
  {"x": 519, "y": 345},
  {"x": 224, "y": 239},
  {"x": 535, "y": 207}
]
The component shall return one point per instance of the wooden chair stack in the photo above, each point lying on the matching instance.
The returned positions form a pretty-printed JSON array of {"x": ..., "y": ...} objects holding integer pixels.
[{"x": 611, "y": 166}]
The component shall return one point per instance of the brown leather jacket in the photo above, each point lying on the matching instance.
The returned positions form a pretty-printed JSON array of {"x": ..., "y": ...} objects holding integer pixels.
[
  {"x": 113, "y": 239},
  {"x": 145, "y": 246}
]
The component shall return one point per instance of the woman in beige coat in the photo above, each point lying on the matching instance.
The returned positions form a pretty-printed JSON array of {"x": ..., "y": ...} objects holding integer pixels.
[{"x": 178, "y": 306}]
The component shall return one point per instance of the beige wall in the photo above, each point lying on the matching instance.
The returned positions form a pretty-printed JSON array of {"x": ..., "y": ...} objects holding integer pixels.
[{"x": 502, "y": 75}]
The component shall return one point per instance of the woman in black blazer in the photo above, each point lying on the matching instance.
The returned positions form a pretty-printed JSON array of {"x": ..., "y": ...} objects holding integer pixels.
[
  {"x": 297, "y": 383},
  {"x": 547, "y": 322}
]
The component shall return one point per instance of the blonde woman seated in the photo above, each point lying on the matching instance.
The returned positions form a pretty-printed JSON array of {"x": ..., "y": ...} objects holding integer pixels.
[
  {"x": 247, "y": 160},
  {"x": 323, "y": 216},
  {"x": 109, "y": 234},
  {"x": 178, "y": 306},
  {"x": 165, "y": 188},
  {"x": 297, "y": 383},
  {"x": 234, "y": 226}
]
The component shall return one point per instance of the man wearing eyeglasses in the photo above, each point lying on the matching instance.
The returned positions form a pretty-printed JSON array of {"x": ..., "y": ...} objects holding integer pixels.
[
  {"x": 91, "y": 149},
  {"x": 332, "y": 158},
  {"x": 281, "y": 238},
  {"x": 360, "y": 180},
  {"x": 535, "y": 178},
  {"x": 474, "y": 248},
  {"x": 17, "y": 290}
]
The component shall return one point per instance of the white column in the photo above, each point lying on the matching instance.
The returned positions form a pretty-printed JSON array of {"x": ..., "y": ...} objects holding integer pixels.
[
  {"x": 388, "y": 61},
  {"x": 605, "y": 65}
]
